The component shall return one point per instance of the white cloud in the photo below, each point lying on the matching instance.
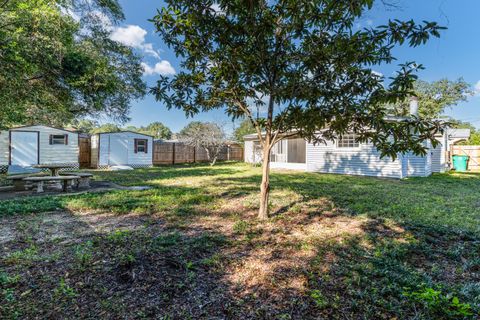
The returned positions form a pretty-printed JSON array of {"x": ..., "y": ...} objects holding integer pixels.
[
  {"x": 163, "y": 68},
  {"x": 476, "y": 89},
  {"x": 134, "y": 36},
  {"x": 378, "y": 74}
]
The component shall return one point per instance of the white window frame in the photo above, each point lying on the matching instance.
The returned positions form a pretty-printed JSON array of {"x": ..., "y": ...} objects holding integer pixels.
[
  {"x": 279, "y": 149},
  {"x": 57, "y": 141},
  {"x": 355, "y": 147}
]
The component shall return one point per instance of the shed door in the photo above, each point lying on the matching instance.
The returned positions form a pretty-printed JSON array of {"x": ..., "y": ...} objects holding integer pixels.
[
  {"x": 24, "y": 148},
  {"x": 118, "y": 150}
]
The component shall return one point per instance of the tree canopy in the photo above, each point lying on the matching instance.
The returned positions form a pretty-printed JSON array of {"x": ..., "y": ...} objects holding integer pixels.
[
  {"x": 57, "y": 62},
  {"x": 245, "y": 127},
  {"x": 434, "y": 97},
  {"x": 304, "y": 62},
  {"x": 107, "y": 127},
  {"x": 156, "y": 129},
  {"x": 206, "y": 135}
]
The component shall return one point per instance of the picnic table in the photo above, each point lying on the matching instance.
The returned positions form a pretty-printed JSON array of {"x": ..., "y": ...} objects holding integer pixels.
[{"x": 54, "y": 168}]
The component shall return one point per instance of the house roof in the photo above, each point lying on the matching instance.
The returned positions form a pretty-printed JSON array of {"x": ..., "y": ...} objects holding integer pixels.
[
  {"x": 455, "y": 134},
  {"x": 459, "y": 133}
]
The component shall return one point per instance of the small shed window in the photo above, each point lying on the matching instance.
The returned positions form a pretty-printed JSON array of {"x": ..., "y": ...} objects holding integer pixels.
[
  {"x": 141, "y": 146},
  {"x": 348, "y": 141},
  {"x": 59, "y": 139}
]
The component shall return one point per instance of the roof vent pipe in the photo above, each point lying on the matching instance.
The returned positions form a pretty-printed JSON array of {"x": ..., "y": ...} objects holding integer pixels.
[{"x": 414, "y": 106}]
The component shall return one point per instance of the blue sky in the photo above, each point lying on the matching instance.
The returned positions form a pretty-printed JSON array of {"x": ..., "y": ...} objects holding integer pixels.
[{"x": 456, "y": 54}]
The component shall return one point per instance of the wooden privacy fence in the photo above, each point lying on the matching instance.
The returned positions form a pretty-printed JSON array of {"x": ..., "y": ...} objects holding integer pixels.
[
  {"x": 176, "y": 152},
  {"x": 473, "y": 153}
]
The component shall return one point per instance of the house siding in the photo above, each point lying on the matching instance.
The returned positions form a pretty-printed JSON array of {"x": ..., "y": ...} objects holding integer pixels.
[
  {"x": 417, "y": 166},
  {"x": 327, "y": 158},
  {"x": 439, "y": 155},
  {"x": 248, "y": 152},
  {"x": 365, "y": 160},
  {"x": 437, "y": 161}
]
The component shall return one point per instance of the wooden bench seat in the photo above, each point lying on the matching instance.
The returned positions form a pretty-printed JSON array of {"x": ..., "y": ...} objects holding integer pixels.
[
  {"x": 40, "y": 180},
  {"x": 84, "y": 181}
]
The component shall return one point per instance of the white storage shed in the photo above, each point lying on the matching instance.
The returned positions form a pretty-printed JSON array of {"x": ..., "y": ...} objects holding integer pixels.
[
  {"x": 125, "y": 148},
  {"x": 38, "y": 144}
]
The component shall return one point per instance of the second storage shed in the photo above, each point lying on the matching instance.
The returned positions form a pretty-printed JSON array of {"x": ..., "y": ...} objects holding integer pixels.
[{"x": 125, "y": 148}]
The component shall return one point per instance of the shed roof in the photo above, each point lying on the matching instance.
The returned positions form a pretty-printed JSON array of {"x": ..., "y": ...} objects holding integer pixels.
[
  {"x": 126, "y": 131},
  {"x": 458, "y": 133},
  {"x": 41, "y": 125}
]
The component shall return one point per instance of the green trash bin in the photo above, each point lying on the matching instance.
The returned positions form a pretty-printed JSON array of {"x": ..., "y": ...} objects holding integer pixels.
[{"x": 460, "y": 163}]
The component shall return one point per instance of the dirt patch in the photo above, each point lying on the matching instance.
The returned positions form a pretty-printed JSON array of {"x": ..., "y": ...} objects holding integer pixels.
[
  {"x": 96, "y": 186},
  {"x": 64, "y": 226}
]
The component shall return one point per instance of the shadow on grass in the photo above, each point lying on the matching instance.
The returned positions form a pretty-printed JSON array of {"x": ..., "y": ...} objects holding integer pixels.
[
  {"x": 154, "y": 176},
  {"x": 160, "y": 199},
  {"x": 65, "y": 265},
  {"x": 356, "y": 248},
  {"x": 448, "y": 201}
]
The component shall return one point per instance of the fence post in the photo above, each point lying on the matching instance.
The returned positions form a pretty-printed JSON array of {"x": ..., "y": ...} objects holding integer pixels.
[
  {"x": 173, "y": 153},
  {"x": 228, "y": 153},
  {"x": 194, "y": 154}
]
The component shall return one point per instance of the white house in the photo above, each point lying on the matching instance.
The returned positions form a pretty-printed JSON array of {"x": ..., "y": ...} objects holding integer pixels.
[
  {"x": 31, "y": 145},
  {"x": 121, "y": 148},
  {"x": 347, "y": 156}
]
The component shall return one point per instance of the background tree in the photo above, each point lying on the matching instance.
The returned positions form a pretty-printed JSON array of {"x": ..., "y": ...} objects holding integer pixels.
[
  {"x": 474, "y": 139},
  {"x": 206, "y": 135},
  {"x": 131, "y": 128},
  {"x": 158, "y": 130},
  {"x": 245, "y": 127},
  {"x": 85, "y": 125},
  {"x": 57, "y": 62},
  {"x": 304, "y": 61},
  {"x": 108, "y": 127},
  {"x": 435, "y": 97}
]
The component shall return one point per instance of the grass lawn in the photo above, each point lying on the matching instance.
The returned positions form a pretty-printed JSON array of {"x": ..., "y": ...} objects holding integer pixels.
[{"x": 336, "y": 247}]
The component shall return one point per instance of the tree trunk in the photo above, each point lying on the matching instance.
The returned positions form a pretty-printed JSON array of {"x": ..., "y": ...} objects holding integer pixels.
[
  {"x": 265, "y": 186},
  {"x": 215, "y": 156},
  {"x": 213, "y": 162},
  {"x": 211, "y": 159}
]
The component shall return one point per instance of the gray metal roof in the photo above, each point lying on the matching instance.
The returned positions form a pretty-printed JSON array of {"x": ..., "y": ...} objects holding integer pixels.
[{"x": 458, "y": 133}]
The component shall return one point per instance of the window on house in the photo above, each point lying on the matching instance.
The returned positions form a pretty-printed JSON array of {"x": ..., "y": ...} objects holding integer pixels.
[
  {"x": 279, "y": 151},
  {"x": 297, "y": 150},
  {"x": 348, "y": 141},
  {"x": 59, "y": 139},
  {"x": 141, "y": 146}
]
